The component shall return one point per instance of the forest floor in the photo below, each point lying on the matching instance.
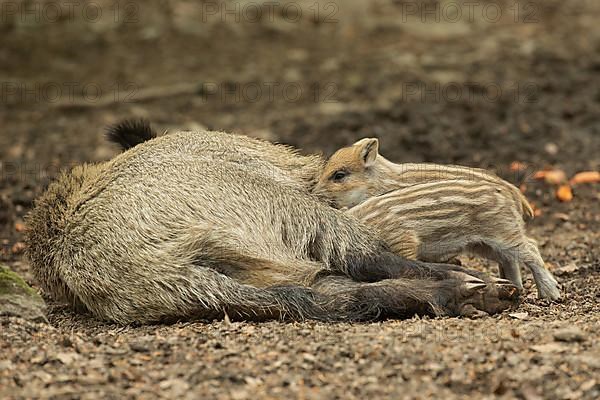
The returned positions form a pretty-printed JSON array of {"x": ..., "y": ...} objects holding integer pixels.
[{"x": 488, "y": 93}]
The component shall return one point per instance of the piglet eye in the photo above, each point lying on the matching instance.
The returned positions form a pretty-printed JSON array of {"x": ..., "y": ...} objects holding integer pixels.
[{"x": 339, "y": 175}]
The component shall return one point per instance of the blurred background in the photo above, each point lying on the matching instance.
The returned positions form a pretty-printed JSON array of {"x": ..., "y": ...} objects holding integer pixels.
[
  {"x": 513, "y": 86},
  {"x": 482, "y": 83}
]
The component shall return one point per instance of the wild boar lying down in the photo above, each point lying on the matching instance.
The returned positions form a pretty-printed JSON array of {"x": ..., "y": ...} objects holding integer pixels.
[{"x": 199, "y": 224}]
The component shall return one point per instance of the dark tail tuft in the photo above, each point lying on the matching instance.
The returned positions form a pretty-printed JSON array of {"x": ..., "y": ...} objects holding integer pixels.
[{"x": 130, "y": 132}]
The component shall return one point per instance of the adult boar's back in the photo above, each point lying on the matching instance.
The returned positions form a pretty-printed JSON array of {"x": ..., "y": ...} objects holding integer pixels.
[{"x": 198, "y": 224}]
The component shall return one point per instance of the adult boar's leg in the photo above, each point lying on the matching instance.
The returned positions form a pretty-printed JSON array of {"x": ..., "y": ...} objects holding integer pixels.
[{"x": 401, "y": 298}]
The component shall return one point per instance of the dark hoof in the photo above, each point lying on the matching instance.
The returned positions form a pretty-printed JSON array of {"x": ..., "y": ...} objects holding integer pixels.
[{"x": 476, "y": 297}]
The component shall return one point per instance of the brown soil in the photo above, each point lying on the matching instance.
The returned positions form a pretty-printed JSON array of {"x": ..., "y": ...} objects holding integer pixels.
[{"x": 371, "y": 73}]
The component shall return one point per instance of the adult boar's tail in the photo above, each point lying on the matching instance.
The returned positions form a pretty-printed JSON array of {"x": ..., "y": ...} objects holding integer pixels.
[{"x": 130, "y": 132}]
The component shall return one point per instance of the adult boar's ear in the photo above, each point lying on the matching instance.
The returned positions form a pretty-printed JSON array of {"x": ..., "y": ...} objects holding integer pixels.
[{"x": 368, "y": 149}]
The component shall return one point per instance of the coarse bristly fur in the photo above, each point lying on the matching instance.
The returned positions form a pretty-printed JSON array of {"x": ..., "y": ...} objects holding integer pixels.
[
  {"x": 367, "y": 173},
  {"x": 202, "y": 224},
  {"x": 434, "y": 212}
]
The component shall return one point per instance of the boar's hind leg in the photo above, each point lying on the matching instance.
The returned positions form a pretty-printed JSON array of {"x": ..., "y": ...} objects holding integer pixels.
[
  {"x": 401, "y": 298},
  {"x": 339, "y": 298}
]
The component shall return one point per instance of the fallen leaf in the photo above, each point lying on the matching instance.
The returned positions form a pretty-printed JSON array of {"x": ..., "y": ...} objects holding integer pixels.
[
  {"x": 530, "y": 392},
  {"x": 568, "y": 269},
  {"x": 551, "y": 148},
  {"x": 19, "y": 227},
  {"x": 519, "y": 315},
  {"x": 549, "y": 348},
  {"x": 523, "y": 187},
  {"x": 553, "y": 176},
  {"x": 18, "y": 248},
  {"x": 517, "y": 166},
  {"x": 591, "y": 360},
  {"x": 550, "y": 267},
  {"x": 6, "y": 365},
  {"x": 571, "y": 334},
  {"x": 536, "y": 211},
  {"x": 588, "y": 385},
  {"x": 177, "y": 387},
  {"x": 564, "y": 193},
  {"x": 586, "y": 177},
  {"x": 524, "y": 126},
  {"x": 561, "y": 216},
  {"x": 226, "y": 319},
  {"x": 66, "y": 358}
]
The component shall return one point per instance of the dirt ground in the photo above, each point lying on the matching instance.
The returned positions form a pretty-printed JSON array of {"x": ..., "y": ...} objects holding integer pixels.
[{"x": 483, "y": 91}]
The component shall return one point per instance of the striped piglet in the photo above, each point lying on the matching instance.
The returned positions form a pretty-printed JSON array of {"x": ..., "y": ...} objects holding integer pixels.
[{"x": 433, "y": 213}]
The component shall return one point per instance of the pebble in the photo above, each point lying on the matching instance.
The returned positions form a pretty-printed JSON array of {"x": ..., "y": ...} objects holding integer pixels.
[{"x": 569, "y": 335}]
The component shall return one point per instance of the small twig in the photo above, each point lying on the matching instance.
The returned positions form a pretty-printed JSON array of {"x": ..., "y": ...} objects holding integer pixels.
[{"x": 133, "y": 96}]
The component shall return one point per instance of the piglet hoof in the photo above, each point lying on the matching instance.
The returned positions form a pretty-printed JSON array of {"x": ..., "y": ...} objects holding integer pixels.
[
  {"x": 549, "y": 292},
  {"x": 547, "y": 285}
]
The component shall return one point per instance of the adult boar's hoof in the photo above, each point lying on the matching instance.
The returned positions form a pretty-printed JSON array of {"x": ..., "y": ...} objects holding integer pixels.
[{"x": 472, "y": 298}]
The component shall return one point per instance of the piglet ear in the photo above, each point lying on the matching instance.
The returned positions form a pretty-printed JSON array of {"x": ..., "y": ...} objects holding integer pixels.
[{"x": 368, "y": 150}]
